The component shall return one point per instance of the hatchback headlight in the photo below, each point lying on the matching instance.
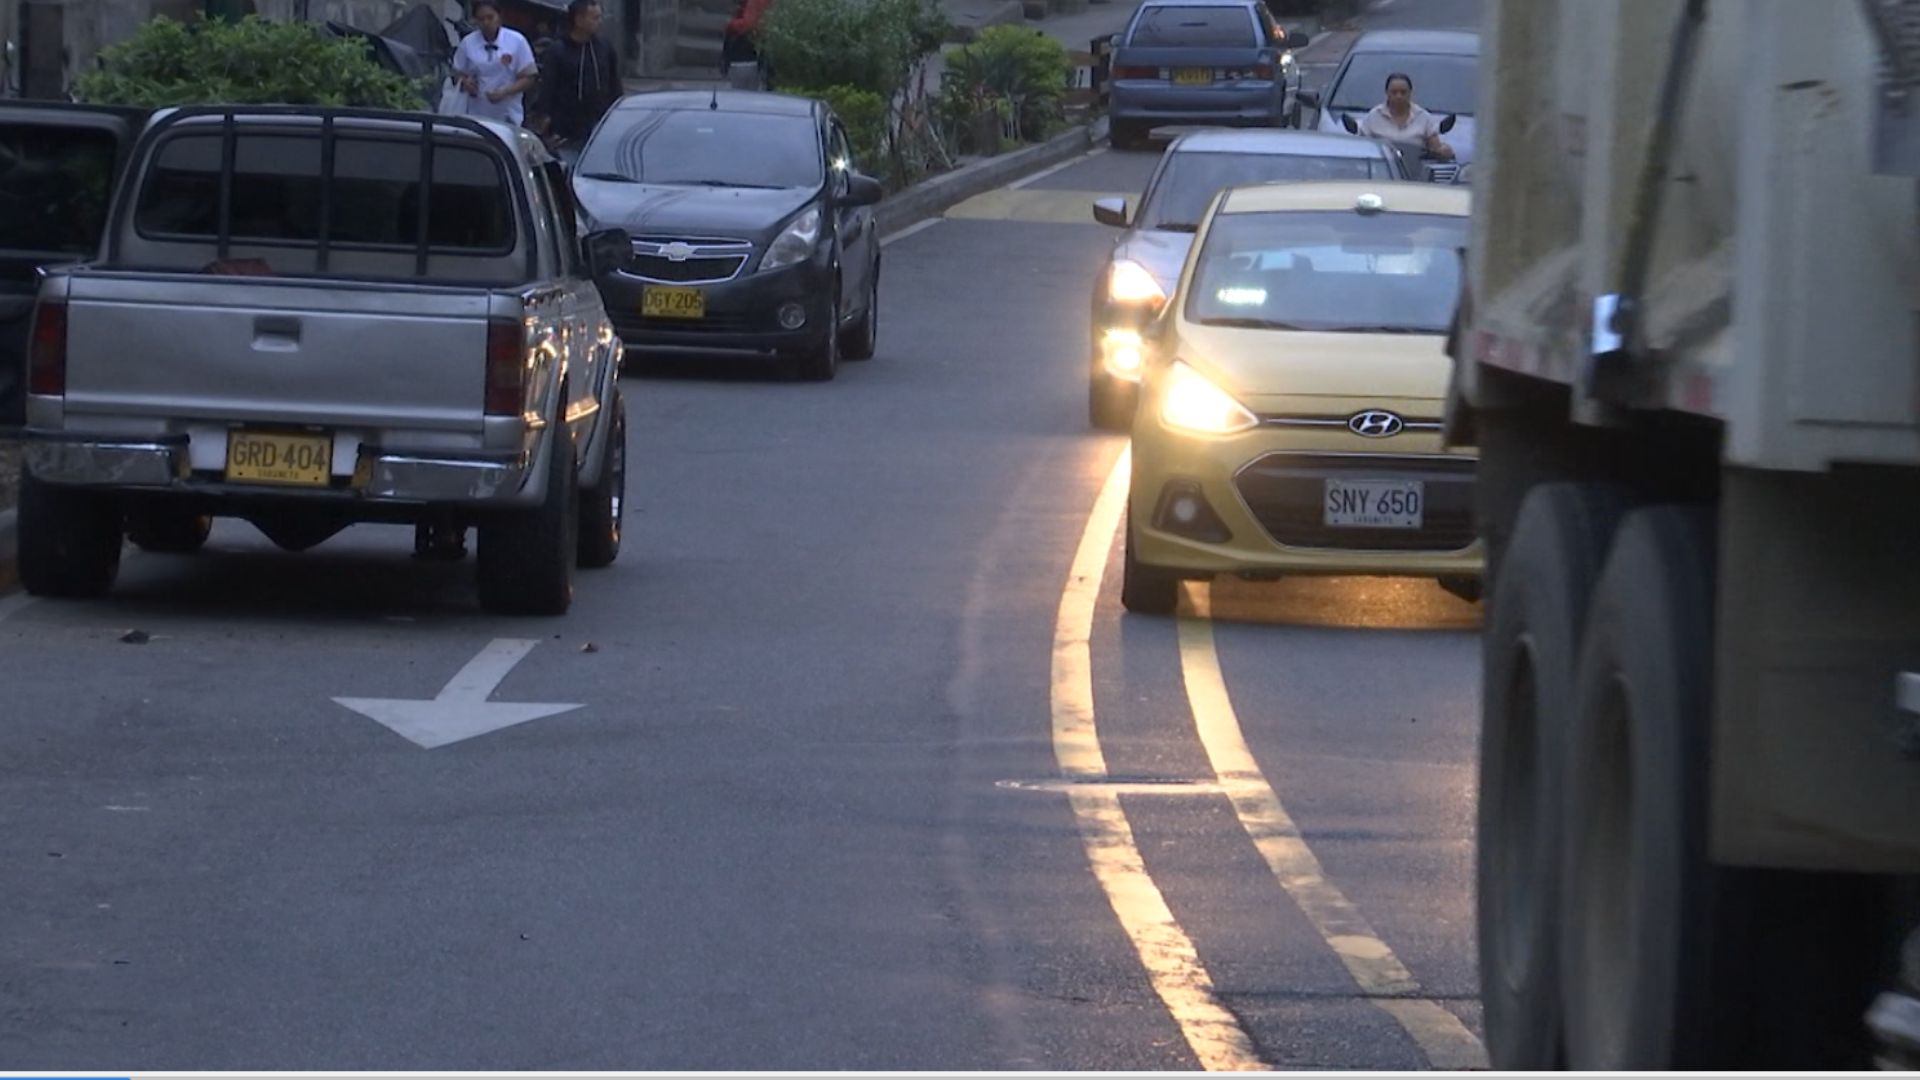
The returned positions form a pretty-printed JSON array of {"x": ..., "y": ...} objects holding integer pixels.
[
  {"x": 795, "y": 242},
  {"x": 1191, "y": 402},
  {"x": 1130, "y": 283}
]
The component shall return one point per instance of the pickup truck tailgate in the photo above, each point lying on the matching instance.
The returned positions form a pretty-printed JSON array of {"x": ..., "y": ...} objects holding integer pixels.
[{"x": 225, "y": 349}]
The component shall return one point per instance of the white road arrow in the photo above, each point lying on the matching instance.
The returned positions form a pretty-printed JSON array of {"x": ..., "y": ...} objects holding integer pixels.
[{"x": 462, "y": 710}]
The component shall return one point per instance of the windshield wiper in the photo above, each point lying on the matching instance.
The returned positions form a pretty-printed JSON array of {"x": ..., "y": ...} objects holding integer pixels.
[
  {"x": 731, "y": 184},
  {"x": 1379, "y": 330},
  {"x": 1252, "y": 324},
  {"x": 615, "y": 177},
  {"x": 1178, "y": 226}
]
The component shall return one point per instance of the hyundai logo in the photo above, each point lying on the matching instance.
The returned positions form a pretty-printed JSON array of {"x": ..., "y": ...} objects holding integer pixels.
[
  {"x": 677, "y": 251},
  {"x": 1375, "y": 424}
]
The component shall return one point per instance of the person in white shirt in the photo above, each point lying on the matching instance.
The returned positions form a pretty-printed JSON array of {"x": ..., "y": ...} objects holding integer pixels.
[
  {"x": 495, "y": 66},
  {"x": 1401, "y": 121}
]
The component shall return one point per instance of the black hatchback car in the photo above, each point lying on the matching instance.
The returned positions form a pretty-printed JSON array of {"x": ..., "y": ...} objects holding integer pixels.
[{"x": 752, "y": 228}]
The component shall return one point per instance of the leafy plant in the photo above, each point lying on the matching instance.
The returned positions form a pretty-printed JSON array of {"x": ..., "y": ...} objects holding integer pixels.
[
  {"x": 865, "y": 115},
  {"x": 248, "y": 62},
  {"x": 1017, "y": 73},
  {"x": 864, "y": 44}
]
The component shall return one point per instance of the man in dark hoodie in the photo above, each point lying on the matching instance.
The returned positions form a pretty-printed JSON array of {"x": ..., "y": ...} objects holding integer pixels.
[{"x": 580, "y": 76}]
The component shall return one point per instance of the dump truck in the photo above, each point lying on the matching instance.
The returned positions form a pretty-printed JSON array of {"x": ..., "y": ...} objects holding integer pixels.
[{"x": 1687, "y": 353}]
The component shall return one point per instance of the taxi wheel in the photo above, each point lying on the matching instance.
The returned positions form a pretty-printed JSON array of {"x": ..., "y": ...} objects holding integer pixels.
[
  {"x": 1110, "y": 403},
  {"x": 603, "y": 506},
  {"x": 69, "y": 539},
  {"x": 526, "y": 559},
  {"x": 1146, "y": 590},
  {"x": 168, "y": 531}
]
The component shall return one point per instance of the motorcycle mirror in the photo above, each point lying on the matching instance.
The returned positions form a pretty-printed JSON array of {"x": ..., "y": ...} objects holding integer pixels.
[
  {"x": 1447, "y": 124},
  {"x": 1353, "y": 126}
]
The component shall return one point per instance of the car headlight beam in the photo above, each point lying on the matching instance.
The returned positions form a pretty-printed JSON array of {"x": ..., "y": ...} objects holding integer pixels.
[
  {"x": 795, "y": 242},
  {"x": 1191, "y": 402},
  {"x": 1130, "y": 283}
]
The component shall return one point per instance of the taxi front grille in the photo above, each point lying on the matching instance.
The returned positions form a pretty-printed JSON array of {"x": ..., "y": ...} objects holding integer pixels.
[{"x": 1286, "y": 494}]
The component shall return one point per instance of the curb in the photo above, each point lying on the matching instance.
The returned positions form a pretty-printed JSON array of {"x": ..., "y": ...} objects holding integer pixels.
[{"x": 932, "y": 197}]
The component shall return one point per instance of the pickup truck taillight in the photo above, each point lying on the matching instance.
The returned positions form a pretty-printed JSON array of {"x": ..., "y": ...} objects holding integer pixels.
[
  {"x": 506, "y": 367},
  {"x": 47, "y": 359},
  {"x": 1134, "y": 71}
]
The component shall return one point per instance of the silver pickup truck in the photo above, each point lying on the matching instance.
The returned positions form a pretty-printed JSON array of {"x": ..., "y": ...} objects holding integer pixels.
[{"x": 308, "y": 318}]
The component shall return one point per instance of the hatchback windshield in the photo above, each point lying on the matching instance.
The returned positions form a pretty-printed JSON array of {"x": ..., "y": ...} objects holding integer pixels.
[
  {"x": 705, "y": 147},
  {"x": 1329, "y": 270},
  {"x": 1442, "y": 83},
  {"x": 1190, "y": 180},
  {"x": 1194, "y": 26}
]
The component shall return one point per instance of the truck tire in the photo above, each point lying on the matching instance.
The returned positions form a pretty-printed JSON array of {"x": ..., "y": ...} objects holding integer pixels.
[
  {"x": 525, "y": 562},
  {"x": 1647, "y": 983},
  {"x": 1146, "y": 590},
  {"x": 70, "y": 539},
  {"x": 603, "y": 506},
  {"x": 1531, "y": 643},
  {"x": 166, "y": 530}
]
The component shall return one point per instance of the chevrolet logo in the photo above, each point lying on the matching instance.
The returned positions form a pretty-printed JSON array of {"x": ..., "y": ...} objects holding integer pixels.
[{"x": 677, "y": 251}]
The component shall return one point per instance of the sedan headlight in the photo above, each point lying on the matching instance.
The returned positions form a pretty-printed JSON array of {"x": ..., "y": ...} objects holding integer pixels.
[
  {"x": 795, "y": 242},
  {"x": 1130, "y": 283},
  {"x": 1193, "y": 403}
]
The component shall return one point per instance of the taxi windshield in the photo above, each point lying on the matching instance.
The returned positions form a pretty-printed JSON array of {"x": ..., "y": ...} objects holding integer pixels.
[{"x": 1332, "y": 271}]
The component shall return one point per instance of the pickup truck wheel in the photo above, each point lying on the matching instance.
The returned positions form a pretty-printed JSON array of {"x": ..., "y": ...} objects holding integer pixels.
[
  {"x": 69, "y": 539},
  {"x": 603, "y": 506},
  {"x": 1146, "y": 590},
  {"x": 1531, "y": 643},
  {"x": 861, "y": 342},
  {"x": 525, "y": 564},
  {"x": 168, "y": 531}
]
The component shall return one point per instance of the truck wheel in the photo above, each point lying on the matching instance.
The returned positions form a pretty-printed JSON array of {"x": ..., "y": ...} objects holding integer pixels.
[
  {"x": 603, "y": 506},
  {"x": 1531, "y": 643},
  {"x": 1647, "y": 982},
  {"x": 167, "y": 530},
  {"x": 525, "y": 563},
  {"x": 69, "y": 541},
  {"x": 1146, "y": 590}
]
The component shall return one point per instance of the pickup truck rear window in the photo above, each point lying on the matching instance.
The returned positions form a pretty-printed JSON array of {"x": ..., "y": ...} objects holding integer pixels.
[
  {"x": 376, "y": 193},
  {"x": 54, "y": 183},
  {"x": 1208, "y": 27}
]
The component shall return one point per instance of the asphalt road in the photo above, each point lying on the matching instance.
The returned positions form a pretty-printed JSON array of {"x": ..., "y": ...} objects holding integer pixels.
[{"x": 810, "y": 810}]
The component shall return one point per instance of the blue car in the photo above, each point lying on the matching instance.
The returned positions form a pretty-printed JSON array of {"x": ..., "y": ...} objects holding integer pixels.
[{"x": 1211, "y": 63}]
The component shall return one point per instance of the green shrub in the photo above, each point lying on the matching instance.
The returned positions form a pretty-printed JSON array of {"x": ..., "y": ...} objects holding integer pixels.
[
  {"x": 1016, "y": 72},
  {"x": 864, "y": 44},
  {"x": 865, "y": 115},
  {"x": 249, "y": 62}
]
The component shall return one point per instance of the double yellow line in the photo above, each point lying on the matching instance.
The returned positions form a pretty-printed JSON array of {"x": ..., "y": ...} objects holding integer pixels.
[{"x": 1173, "y": 966}]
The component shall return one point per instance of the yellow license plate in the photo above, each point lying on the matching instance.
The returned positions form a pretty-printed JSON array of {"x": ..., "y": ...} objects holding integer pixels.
[
  {"x": 273, "y": 457},
  {"x": 1193, "y": 76},
  {"x": 672, "y": 303}
]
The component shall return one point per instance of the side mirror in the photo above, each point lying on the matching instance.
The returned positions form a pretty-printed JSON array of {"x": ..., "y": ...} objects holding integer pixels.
[
  {"x": 1110, "y": 212},
  {"x": 1446, "y": 125},
  {"x": 1353, "y": 126},
  {"x": 607, "y": 250},
  {"x": 1309, "y": 98},
  {"x": 1298, "y": 40},
  {"x": 862, "y": 190}
]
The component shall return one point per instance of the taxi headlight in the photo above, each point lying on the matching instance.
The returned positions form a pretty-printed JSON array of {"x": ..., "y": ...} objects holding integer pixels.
[
  {"x": 1124, "y": 353},
  {"x": 1191, "y": 402},
  {"x": 1130, "y": 283}
]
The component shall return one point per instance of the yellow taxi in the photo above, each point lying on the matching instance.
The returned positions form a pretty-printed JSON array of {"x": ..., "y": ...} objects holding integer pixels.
[{"x": 1289, "y": 421}]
